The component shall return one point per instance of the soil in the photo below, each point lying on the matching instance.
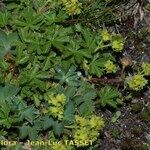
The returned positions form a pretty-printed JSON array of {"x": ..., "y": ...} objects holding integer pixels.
[
  {"x": 129, "y": 131},
  {"x": 131, "y": 128}
]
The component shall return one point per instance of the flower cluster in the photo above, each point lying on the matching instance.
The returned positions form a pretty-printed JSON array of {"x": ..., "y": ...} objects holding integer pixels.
[
  {"x": 137, "y": 82},
  {"x": 87, "y": 128},
  {"x": 146, "y": 68},
  {"x": 105, "y": 35},
  {"x": 57, "y": 105},
  {"x": 72, "y": 7},
  {"x": 117, "y": 43},
  {"x": 110, "y": 67}
]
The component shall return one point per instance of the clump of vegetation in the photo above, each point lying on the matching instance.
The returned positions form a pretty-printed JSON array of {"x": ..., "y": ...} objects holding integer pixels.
[
  {"x": 72, "y": 7},
  {"x": 137, "y": 82},
  {"x": 110, "y": 67},
  {"x": 87, "y": 129},
  {"x": 57, "y": 106},
  {"x": 145, "y": 67},
  {"x": 54, "y": 70}
]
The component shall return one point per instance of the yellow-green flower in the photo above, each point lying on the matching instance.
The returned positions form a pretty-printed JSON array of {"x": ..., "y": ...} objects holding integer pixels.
[
  {"x": 110, "y": 67},
  {"x": 57, "y": 112},
  {"x": 81, "y": 121},
  {"x": 146, "y": 68},
  {"x": 81, "y": 134},
  {"x": 57, "y": 100},
  {"x": 94, "y": 134},
  {"x": 137, "y": 82},
  {"x": 105, "y": 35},
  {"x": 117, "y": 43},
  {"x": 72, "y": 7},
  {"x": 87, "y": 128},
  {"x": 53, "y": 101},
  {"x": 96, "y": 122},
  {"x": 57, "y": 105}
]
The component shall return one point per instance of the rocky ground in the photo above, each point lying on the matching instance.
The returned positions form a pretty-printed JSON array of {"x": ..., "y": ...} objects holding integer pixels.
[{"x": 130, "y": 131}]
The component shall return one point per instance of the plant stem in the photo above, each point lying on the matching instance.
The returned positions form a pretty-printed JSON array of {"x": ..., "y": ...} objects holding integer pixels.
[{"x": 106, "y": 80}]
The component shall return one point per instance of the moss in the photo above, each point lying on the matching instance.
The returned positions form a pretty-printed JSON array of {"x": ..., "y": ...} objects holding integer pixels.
[
  {"x": 137, "y": 107},
  {"x": 144, "y": 116},
  {"x": 116, "y": 133},
  {"x": 132, "y": 144},
  {"x": 127, "y": 144},
  {"x": 137, "y": 131}
]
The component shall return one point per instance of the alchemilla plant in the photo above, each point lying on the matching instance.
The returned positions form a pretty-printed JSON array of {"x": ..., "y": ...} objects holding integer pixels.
[
  {"x": 46, "y": 71},
  {"x": 137, "y": 82},
  {"x": 72, "y": 7}
]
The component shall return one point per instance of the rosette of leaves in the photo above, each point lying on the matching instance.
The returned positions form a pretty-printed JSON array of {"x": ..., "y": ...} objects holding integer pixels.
[
  {"x": 97, "y": 65},
  {"x": 7, "y": 96},
  {"x": 109, "y": 96},
  {"x": 69, "y": 76},
  {"x": 13, "y": 110},
  {"x": 33, "y": 83},
  {"x": 29, "y": 19},
  {"x": 4, "y": 17}
]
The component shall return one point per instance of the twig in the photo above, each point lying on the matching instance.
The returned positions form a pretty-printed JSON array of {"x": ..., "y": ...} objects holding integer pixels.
[{"x": 106, "y": 80}]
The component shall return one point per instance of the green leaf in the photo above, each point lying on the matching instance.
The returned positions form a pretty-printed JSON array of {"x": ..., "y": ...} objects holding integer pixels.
[
  {"x": 7, "y": 96},
  {"x": 28, "y": 131},
  {"x": 84, "y": 97},
  {"x": 47, "y": 122},
  {"x": 89, "y": 40},
  {"x": 97, "y": 64},
  {"x": 58, "y": 36},
  {"x": 29, "y": 113},
  {"x": 87, "y": 106},
  {"x": 69, "y": 112},
  {"x": 43, "y": 75},
  {"x": 6, "y": 42},
  {"x": 116, "y": 116},
  {"x": 4, "y": 18},
  {"x": 73, "y": 49},
  {"x": 67, "y": 76},
  {"x": 108, "y": 96},
  {"x": 34, "y": 75},
  {"x": 24, "y": 131},
  {"x": 53, "y": 17},
  {"x": 70, "y": 91},
  {"x": 33, "y": 133},
  {"x": 8, "y": 92},
  {"x": 90, "y": 94},
  {"x": 22, "y": 56},
  {"x": 36, "y": 100},
  {"x": 29, "y": 19},
  {"x": 58, "y": 128},
  {"x": 47, "y": 63}
]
